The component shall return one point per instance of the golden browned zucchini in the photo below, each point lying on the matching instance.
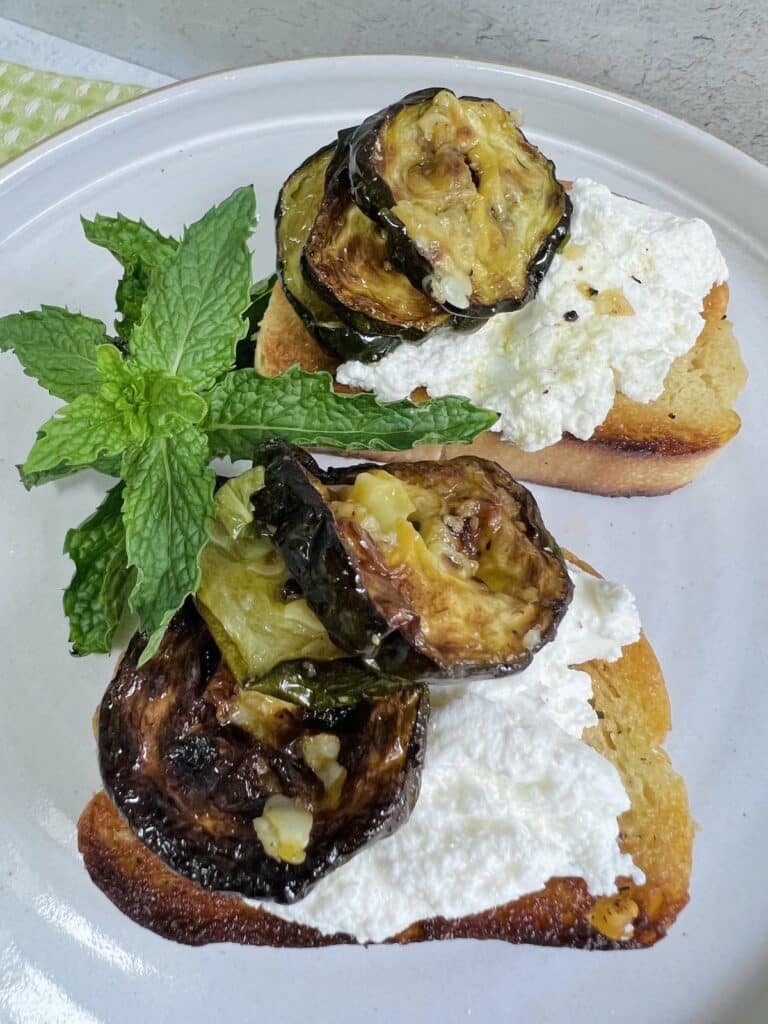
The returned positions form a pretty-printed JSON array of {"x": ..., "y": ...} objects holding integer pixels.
[
  {"x": 473, "y": 211},
  {"x": 430, "y": 569},
  {"x": 346, "y": 260},
  {"x": 297, "y": 207}
]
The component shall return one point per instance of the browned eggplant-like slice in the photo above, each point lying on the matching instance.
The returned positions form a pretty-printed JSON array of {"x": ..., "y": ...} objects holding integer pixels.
[
  {"x": 473, "y": 212},
  {"x": 244, "y": 792},
  {"x": 297, "y": 207},
  {"x": 346, "y": 260},
  {"x": 430, "y": 569}
]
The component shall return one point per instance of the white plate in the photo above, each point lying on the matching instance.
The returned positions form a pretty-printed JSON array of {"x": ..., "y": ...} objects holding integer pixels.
[{"x": 696, "y": 561}]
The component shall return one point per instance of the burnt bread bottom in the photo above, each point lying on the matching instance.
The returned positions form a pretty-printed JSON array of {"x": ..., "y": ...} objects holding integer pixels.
[
  {"x": 640, "y": 449},
  {"x": 657, "y": 831}
]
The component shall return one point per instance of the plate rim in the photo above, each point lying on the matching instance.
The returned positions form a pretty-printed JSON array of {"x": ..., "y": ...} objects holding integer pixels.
[{"x": 133, "y": 107}]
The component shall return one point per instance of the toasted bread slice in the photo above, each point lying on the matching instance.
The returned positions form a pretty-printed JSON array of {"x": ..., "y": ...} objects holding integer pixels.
[
  {"x": 631, "y": 701},
  {"x": 639, "y": 449}
]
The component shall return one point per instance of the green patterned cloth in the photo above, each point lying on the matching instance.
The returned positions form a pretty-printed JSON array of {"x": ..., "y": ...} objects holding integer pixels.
[{"x": 35, "y": 104}]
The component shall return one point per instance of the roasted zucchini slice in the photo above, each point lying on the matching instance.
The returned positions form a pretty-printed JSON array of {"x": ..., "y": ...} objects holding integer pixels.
[
  {"x": 246, "y": 595},
  {"x": 297, "y": 207},
  {"x": 346, "y": 260},
  {"x": 244, "y": 792},
  {"x": 473, "y": 212},
  {"x": 428, "y": 569}
]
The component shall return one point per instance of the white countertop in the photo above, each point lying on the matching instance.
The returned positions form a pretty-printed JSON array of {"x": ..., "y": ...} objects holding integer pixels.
[{"x": 700, "y": 59}]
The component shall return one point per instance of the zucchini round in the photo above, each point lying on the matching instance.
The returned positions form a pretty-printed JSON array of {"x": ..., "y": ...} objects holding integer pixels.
[
  {"x": 246, "y": 595},
  {"x": 346, "y": 259},
  {"x": 473, "y": 212},
  {"x": 244, "y": 792},
  {"x": 297, "y": 206},
  {"x": 429, "y": 569}
]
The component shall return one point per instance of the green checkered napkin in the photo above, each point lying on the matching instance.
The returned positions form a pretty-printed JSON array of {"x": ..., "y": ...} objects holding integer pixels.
[{"x": 35, "y": 104}]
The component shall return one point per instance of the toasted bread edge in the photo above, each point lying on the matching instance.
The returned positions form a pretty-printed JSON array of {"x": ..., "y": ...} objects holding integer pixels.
[{"x": 640, "y": 449}]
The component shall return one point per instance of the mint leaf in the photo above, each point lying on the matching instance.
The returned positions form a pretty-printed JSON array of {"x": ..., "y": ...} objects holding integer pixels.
[
  {"x": 109, "y": 465},
  {"x": 167, "y": 503},
  {"x": 192, "y": 317},
  {"x": 153, "y": 404},
  {"x": 172, "y": 406},
  {"x": 78, "y": 435},
  {"x": 95, "y": 427},
  {"x": 56, "y": 347},
  {"x": 141, "y": 250},
  {"x": 246, "y": 408},
  {"x": 96, "y": 598},
  {"x": 130, "y": 294},
  {"x": 129, "y": 240}
]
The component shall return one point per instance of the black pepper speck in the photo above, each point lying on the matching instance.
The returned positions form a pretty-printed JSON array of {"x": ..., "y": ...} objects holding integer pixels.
[{"x": 570, "y": 316}]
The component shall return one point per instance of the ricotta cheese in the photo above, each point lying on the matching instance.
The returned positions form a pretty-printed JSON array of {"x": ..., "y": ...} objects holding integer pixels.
[
  {"x": 510, "y": 797},
  {"x": 615, "y": 309}
]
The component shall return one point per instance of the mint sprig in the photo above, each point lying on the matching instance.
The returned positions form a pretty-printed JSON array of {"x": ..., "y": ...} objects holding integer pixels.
[
  {"x": 245, "y": 409},
  {"x": 155, "y": 407}
]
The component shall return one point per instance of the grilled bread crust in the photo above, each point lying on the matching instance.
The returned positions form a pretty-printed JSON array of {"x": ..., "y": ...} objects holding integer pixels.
[
  {"x": 647, "y": 449},
  {"x": 657, "y": 831}
]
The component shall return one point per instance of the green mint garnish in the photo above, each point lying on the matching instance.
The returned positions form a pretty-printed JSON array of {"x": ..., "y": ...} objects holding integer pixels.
[
  {"x": 56, "y": 347},
  {"x": 95, "y": 599},
  {"x": 246, "y": 409}
]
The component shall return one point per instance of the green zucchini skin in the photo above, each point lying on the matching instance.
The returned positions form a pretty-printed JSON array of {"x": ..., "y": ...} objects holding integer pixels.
[
  {"x": 295, "y": 212},
  {"x": 372, "y": 194},
  {"x": 331, "y": 574},
  {"x": 190, "y": 781},
  {"x": 305, "y": 534},
  {"x": 345, "y": 247}
]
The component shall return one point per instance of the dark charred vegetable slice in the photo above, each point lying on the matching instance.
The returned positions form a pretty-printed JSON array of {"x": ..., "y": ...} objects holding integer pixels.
[
  {"x": 297, "y": 207},
  {"x": 429, "y": 568},
  {"x": 473, "y": 212},
  {"x": 244, "y": 792},
  {"x": 346, "y": 259}
]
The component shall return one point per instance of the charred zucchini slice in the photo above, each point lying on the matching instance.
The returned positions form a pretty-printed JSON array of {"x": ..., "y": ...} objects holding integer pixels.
[
  {"x": 473, "y": 212},
  {"x": 247, "y": 793},
  {"x": 297, "y": 207},
  {"x": 346, "y": 260},
  {"x": 430, "y": 569}
]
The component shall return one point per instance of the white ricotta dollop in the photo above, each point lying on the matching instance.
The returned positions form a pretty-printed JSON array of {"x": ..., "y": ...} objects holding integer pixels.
[
  {"x": 511, "y": 796},
  {"x": 546, "y": 373}
]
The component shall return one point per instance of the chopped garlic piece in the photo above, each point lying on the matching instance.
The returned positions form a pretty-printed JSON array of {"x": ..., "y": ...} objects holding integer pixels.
[
  {"x": 284, "y": 829},
  {"x": 321, "y": 753}
]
